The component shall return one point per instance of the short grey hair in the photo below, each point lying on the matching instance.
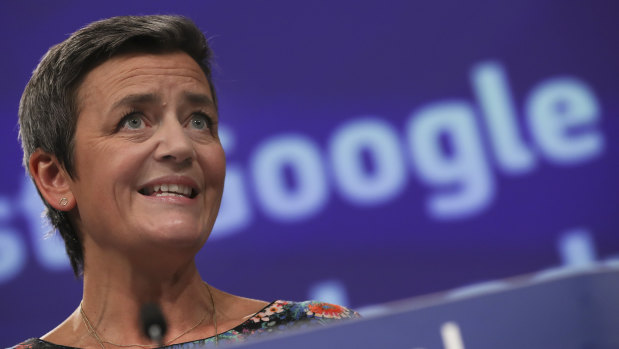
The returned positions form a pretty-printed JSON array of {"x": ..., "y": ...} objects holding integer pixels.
[{"x": 48, "y": 109}]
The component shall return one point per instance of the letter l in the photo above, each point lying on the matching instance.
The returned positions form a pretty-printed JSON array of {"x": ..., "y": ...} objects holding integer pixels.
[{"x": 493, "y": 95}]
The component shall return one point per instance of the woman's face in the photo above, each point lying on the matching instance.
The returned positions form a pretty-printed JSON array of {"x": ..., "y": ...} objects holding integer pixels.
[{"x": 149, "y": 165}]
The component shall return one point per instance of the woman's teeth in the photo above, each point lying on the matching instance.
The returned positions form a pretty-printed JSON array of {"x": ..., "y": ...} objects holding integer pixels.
[
  {"x": 168, "y": 190},
  {"x": 169, "y": 194}
]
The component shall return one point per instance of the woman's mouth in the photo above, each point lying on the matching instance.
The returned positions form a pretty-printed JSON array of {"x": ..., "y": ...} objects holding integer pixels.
[{"x": 169, "y": 190}]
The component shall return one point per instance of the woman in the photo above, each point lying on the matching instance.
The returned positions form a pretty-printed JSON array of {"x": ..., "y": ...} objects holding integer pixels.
[{"x": 119, "y": 129}]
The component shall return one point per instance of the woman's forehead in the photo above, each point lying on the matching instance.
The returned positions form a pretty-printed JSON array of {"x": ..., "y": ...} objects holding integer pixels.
[{"x": 134, "y": 72}]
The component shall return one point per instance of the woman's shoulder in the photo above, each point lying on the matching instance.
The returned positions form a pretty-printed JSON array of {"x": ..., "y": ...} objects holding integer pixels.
[
  {"x": 283, "y": 315},
  {"x": 312, "y": 309},
  {"x": 37, "y": 343}
]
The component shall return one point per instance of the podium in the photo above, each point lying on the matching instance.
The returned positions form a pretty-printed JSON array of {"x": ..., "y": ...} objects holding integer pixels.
[{"x": 562, "y": 309}]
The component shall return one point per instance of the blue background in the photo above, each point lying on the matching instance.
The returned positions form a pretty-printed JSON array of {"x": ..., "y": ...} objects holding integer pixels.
[{"x": 296, "y": 79}]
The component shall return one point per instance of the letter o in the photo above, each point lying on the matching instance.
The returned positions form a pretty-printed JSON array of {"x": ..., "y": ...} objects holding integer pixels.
[
  {"x": 302, "y": 156},
  {"x": 355, "y": 183}
]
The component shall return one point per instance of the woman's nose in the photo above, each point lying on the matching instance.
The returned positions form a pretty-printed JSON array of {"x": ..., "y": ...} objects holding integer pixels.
[{"x": 173, "y": 144}]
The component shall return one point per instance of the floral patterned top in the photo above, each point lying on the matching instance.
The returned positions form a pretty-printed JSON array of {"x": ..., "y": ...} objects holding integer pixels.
[{"x": 275, "y": 317}]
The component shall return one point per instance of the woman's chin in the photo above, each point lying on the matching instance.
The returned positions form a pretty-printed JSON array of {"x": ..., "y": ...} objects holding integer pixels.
[{"x": 170, "y": 236}]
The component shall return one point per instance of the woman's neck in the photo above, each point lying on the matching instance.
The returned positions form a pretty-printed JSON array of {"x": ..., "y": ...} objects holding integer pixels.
[{"x": 115, "y": 292}]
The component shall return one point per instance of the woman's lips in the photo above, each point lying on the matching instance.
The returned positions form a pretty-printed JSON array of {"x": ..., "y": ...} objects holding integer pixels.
[
  {"x": 171, "y": 186},
  {"x": 169, "y": 190}
]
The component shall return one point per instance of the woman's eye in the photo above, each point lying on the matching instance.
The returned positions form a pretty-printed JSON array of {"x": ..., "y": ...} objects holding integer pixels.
[
  {"x": 199, "y": 121},
  {"x": 132, "y": 122}
]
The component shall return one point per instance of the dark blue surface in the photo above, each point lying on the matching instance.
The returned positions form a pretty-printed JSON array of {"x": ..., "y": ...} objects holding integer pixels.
[{"x": 568, "y": 312}]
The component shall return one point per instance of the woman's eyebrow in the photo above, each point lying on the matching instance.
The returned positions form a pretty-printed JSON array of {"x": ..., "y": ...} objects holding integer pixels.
[
  {"x": 144, "y": 98},
  {"x": 198, "y": 98},
  {"x": 139, "y": 98}
]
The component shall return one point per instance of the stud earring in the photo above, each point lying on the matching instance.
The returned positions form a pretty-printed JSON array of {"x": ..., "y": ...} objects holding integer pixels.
[{"x": 64, "y": 202}]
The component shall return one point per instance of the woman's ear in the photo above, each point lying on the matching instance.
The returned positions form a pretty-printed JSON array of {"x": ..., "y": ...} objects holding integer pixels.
[{"x": 52, "y": 180}]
